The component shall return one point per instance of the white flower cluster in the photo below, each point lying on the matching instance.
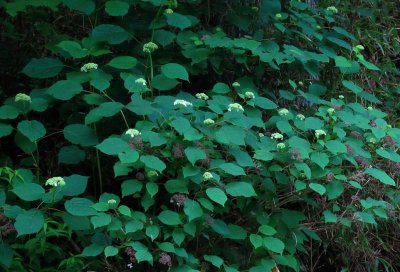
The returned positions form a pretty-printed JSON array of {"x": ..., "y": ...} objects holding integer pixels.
[
  {"x": 182, "y": 103},
  {"x": 208, "y": 122},
  {"x": 280, "y": 146},
  {"x": 300, "y": 116},
  {"x": 283, "y": 112},
  {"x": 133, "y": 132},
  {"x": 236, "y": 84},
  {"x": 89, "y": 67},
  {"x": 141, "y": 81},
  {"x": 207, "y": 176},
  {"x": 330, "y": 111},
  {"x": 150, "y": 47},
  {"x": 332, "y": 9},
  {"x": 319, "y": 132},
  {"x": 235, "y": 107},
  {"x": 249, "y": 95},
  {"x": 23, "y": 98},
  {"x": 55, "y": 181},
  {"x": 202, "y": 96},
  {"x": 276, "y": 136}
]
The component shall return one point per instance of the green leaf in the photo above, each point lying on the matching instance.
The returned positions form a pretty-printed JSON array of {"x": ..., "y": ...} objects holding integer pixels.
[
  {"x": 74, "y": 49},
  {"x": 43, "y": 68},
  {"x": 230, "y": 135},
  {"x": 70, "y": 154},
  {"x": 143, "y": 255},
  {"x": 330, "y": 217},
  {"x": 267, "y": 230},
  {"x": 192, "y": 209},
  {"x": 334, "y": 189},
  {"x": 79, "y": 207},
  {"x": 335, "y": 147},
  {"x": 163, "y": 83},
  {"x": 85, "y": 6},
  {"x": 217, "y": 195},
  {"x": 112, "y": 34},
  {"x": 152, "y": 188},
  {"x": 352, "y": 86},
  {"x": 8, "y": 112},
  {"x": 123, "y": 62},
  {"x": 178, "y": 20},
  {"x": 100, "y": 220},
  {"x": 110, "y": 251},
  {"x": 64, "y": 89},
  {"x": 319, "y": 188},
  {"x": 241, "y": 188},
  {"x": 33, "y": 130},
  {"x": 131, "y": 186},
  {"x": 264, "y": 103},
  {"x": 369, "y": 65},
  {"x": 93, "y": 250},
  {"x": 128, "y": 156},
  {"x": 194, "y": 154},
  {"x": 153, "y": 162},
  {"x": 342, "y": 62},
  {"x": 112, "y": 146},
  {"x": 169, "y": 218},
  {"x": 74, "y": 185},
  {"x": 313, "y": 123},
  {"x": 117, "y": 8},
  {"x": 133, "y": 226},
  {"x": 152, "y": 232},
  {"x": 80, "y": 134},
  {"x": 175, "y": 71},
  {"x": 29, "y": 222},
  {"x": 381, "y": 176},
  {"x": 256, "y": 240},
  {"x": 365, "y": 217},
  {"x": 29, "y": 191},
  {"x": 232, "y": 169},
  {"x": 320, "y": 159},
  {"x": 214, "y": 260},
  {"x": 6, "y": 254},
  {"x": 177, "y": 186},
  {"x": 124, "y": 210},
  {"x": 274, "y": 244}
]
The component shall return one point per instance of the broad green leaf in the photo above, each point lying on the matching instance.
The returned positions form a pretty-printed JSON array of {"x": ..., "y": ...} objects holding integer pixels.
[
  {"x": 74, "y": 49},
  {"x": 123, "y": 62},
  {"x": 6, "y": 254},
  {"x": 175, "y": 71},
  {"x": 320, "y": 159},
  {"x": 29, "y": 222},
  {"x": 334, "y": 189},
  {"x": 177, "y": 186},
  {"x": 365, "y": 217},
  {"x": 230, "y": 135},
  {"x": 143, "y": 255},
  {"x": 70, "y": 154},
  {"x": 352, "y": 86},
  {"x": 342, "y": 62},
  {"x": 232, "y": 169},
  {"x": 267, "y": 230},
  {"x": 241, "y": 188},
  {"x": 117, "y": 8},
  {"x": 93, "y": 250},
  {"x": 33, "y": 130},
  {"x": 64, "y": 89},
  {"x": 163, "y": 83},
  {"x": 178, "y": 20},
  {"x": 169, "y": 218},
  {"x": 330, "y": 217},
  {"x": 85, "y": 6},
  {"x": 100, "y": 220},
  {"x": 112, "y": 146},
  {"x": 264, "y": 103},
  {"x": 381, "y": 176},
  {"x": 112, "y": 34},
  {"x": 214, "y": 260},
  {"x": 74, "y": 185},
  {"x": 133, "y": 226},
  {"x": 152, "y": 188},
  {"x": 152, "y": 232},
  {"x": 128, "y": 156},
  {"x": 153, "y": 162},
  {"x": 274, "y": 244},
  {"x": 29, "y": 191},
  {"x": 319, "y": 188},
  {"x": 192, "y": 209},
  {"x": 79, "y": 207},
  {"x": 131, "y": 186},
  {"x": 110, "y": 251},
  {"x": 80, "y": 134},
  {"x": 8, "y": 112},
  {"x": 388, "y": 154},
  {"x": 313, "y": 123},
  {"x": 194, "y": 154},
  {"x": 43, "y": 68},
  {"x": 124, "y": 210},
  {"x": 217, "y": 195},
  {"x": 256, "y": 240},
  {"x": 335, "y": 147}
]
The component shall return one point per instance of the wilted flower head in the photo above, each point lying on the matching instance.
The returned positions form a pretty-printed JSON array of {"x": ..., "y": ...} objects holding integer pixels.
[
  {"x": 202, "y": 96},
  {"x": 330, "y": 111},
  {"x": 300, "y": 116},
  {"x": 207, "y": 176},
  {"x": 55, "y": 181},
  {"x": 132, "y": 132},
  {"x": 150, "y": 47},
  {"x": 182, "y": 103},
  {"x": 178, "y": 199},
  {"x": 23, "y": 98},
  {"x": 141, "y": 81},
  {"x": 319, "y": 132},
  {"x": 276, "y": 136},
  {"x": 332, "y": 9},
  {"x": 280, "y": 146},
  {"x": 88, "y": 67},
  {"x": 283, "y": 112},
  {"x": 249, "y": 95},
  {"x": 165, "y": 259},
  {"x": 235, "y": 107},
  {"x": 236, "y": 84},
  {"x": 169, "y": 11},
  {"x": 208, "y": 122}
]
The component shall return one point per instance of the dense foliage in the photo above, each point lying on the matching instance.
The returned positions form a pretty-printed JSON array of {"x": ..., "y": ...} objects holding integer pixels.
[{"x": 163, "y": 135}]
